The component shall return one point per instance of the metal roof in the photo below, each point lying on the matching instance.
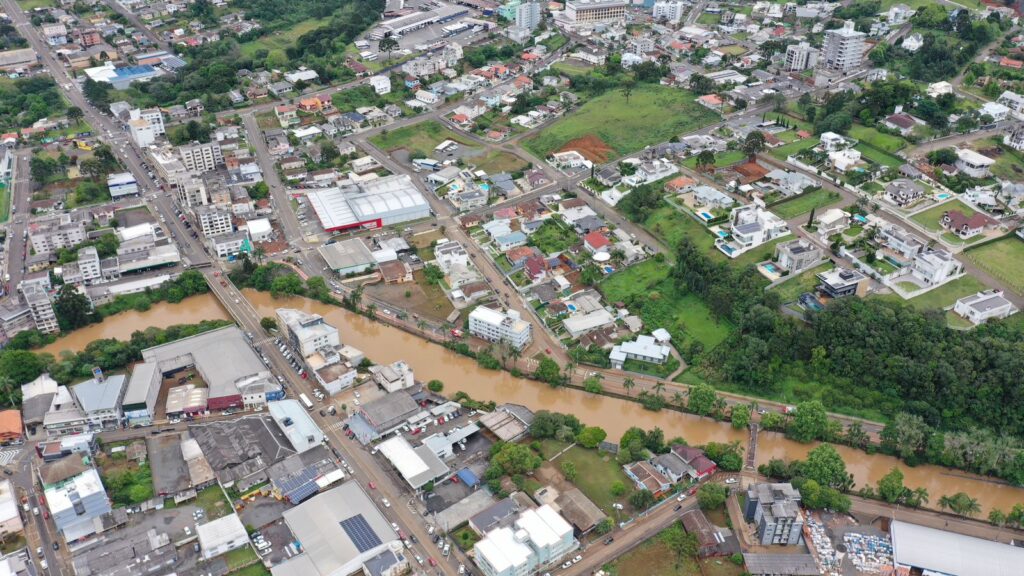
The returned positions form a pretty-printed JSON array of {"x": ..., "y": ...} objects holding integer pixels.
[
  {"x": 103, "y": 395},
  {"x": 950, "y": 553}
]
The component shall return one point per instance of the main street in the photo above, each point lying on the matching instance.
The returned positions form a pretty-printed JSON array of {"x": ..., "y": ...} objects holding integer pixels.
[{"x": 21, "y": 197}]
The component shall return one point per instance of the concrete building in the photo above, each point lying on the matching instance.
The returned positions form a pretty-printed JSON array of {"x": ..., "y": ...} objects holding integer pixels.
[
  {"x": 800, "y": 57},
  {"x": 298, "y": 426},
  {"x": 342, "y": 532},
  {"x": 122, "y": 184},
  {"x": 221, "y": 536},
  {"x": 142, "y": 132},
  {"x": 797, "y": 255},
  {"x": 670, "y": 11},
  {"x": 77, "y": 505},
  {"x": 841, "y": 282},
  {"x": 751, "y": 226},
  {"x": 231, "y": 244},
  {"x": 381, "y": 84},
  {"x": 775, "y": 509},
  {"x": 10, "y": 518},
  {"x": 214, "y": 221},
  {"x": 191, "y": 191},
  {"x": 537, "y": 538},
  {"x": 495, "y": 326},
  {"x": 201, "y": 158},
  {"x": 41, "y": 308},
  {"x": 973, "y": 164},
  {"x": 100, "y": 400},
  {"x": 528, "y": 15},
  {"x": 594, "y": 11},
  {"x": 644, "y": 349},
  {"x": 843, "y": 48},
  {"x": 52, "y": 234},
  {"x": 346, "y": 257},
  {"x": 369, "y": 204},
  {"x": 307, "y": 333}
]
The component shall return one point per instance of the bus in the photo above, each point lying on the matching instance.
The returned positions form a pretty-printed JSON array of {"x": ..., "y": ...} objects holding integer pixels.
[{"x": 305, "y": 401}]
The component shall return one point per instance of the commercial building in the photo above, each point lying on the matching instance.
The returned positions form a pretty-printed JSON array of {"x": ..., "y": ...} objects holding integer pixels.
[
  {"x": 122, "y": 78},
  {"x": 931, "y": 551},
  {"x": 11, "y": 60},
  {"x": 221, "y": 536},
  {"x": 142, "y": 132},
  {"x": 201, "y": 158},
  {"x": 348, "y": 256},
  {"x": 538, "y": 537},
  {"x": 63, "y": 416},
  {"x": 800, "y": 57},
  {"x": 77, "y": 505},
  {"x": 122, "y": 184},
  {"x": 341, "y": 531},
  {"x": 10, "y": 518},
  {"x": 231, "y": 244},
  {"x": 418, "y": 466},
  {"x": 775, "y": 509},
  {"x": 214, "y": 220},
  {"x": 369, "y": 204},
  {"x": 592, "y": 11},
  {"x": 984, "y": 306},
  {"x": 843, "y": 48},
  {"x": 308, "y": 333},
  {"x": 52, "y": 234},
  {"x": 100, "y": 400},
  {"x": 294, "y": 420},
  {"x": 495, "y": 326}
]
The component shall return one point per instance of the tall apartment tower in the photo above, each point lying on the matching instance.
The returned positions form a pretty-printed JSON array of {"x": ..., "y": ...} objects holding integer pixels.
[{"x": 843, "y": 49}]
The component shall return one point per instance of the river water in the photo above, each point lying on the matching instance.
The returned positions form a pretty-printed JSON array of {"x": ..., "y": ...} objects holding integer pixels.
[{"x": 385, "y": 344}]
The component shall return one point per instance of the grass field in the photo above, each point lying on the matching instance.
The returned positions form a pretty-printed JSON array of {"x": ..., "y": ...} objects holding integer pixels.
[
  {"x": 635, "y": 279},
  {"x": 574, "y": 67},
  {"x": 670, "y": 225},
  {"x": 722, "y": 159},
  {"x": 871, "y": 136},
  {"x": 419, "y": 138},
  {"x": 5, "y": 202},
  {"x": 27, "y": 5},
  {"x": 257, "y": 569},
  {"x": 944, "y": 295},
  {"x": 282, "y": 38},
  {"x": 240, "y": 557},
  {"x": 787, "y": 150},
  {"x": 1009, "y": 165},
  {"x": 596, "y": 472},
  {"x": 653, "y": 114},
  {"x": 929, "y": 218},
  {"x": 791, "y": 289},
  {"x": 553, "y": 237},
  {"x": 212, "y": 501},
  {"x": 652, "y": 558},
  {"x": 498, "y": 161},
  {"x": 1003, "y": 259},
  {"x": 879, "y": 156},
  {"x": 805, "y": 203}
]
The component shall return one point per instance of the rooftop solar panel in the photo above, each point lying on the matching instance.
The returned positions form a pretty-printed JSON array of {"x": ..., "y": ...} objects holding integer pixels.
[{"x": 360, "y": 533}]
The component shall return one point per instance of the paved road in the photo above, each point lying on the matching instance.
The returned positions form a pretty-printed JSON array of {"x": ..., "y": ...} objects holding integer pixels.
[
  {"x": 134, "y": 19},
  {"x": 21, "y": 196}
]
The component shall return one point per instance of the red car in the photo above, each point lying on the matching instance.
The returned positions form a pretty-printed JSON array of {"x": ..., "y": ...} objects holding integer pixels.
[
  {"x": 372, "y": 486},
  {"x": 432, "y": 561},
  {"x": 455, "y": 479}
]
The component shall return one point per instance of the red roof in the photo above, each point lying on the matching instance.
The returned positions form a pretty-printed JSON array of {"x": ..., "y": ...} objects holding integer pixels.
[
  {"x": 596, "y": 240},
  {"x": 535, "y": 266},
  {"x": 957, "y": 220},
  {"x": 1011, "y": 63}
]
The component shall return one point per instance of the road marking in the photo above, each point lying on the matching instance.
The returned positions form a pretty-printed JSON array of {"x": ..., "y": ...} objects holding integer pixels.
[{"x": 8, "y": 456}]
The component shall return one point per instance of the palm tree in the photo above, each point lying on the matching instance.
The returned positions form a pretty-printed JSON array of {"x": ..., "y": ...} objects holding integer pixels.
[
  {"x": 421, "y": 324},
  {"x": 677, "y": 398},
  {"x": 258, "y": 253},
  {"x": 969, "y": 506},
  {"x": 946, "y": 503},
  {"x": 919, "y": 496},
  {"x": 659, "y": 387},
  {"x": 628, "y": 384}
]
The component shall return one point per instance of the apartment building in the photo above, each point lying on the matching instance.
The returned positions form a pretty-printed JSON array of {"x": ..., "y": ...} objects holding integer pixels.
[
  {"x": 214, "y": 221},
  {"x": 308, "y": 333},
  {"x": 55, "y": 233},
  {"x": 495, "y": 326},
  {"x": 201, "y": 157},
  {"x": 843, "y": 49},
  {"x": 670, "y": 11},
  {"x": 775, "y": 509},
  {"x": 800, "y": 57},
  {"x": 192, "y": 192},
  {"x": 592, "y": 11}
]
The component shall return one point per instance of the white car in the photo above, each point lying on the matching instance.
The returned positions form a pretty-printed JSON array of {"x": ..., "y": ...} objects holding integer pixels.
[
  {"x": 385, "y": 502},
  {"x": 681, "y": 498},
  {"x": 577, "y": 559},
  {"x": 394, "y": 527},
  {"x": 731, "y": 481}
]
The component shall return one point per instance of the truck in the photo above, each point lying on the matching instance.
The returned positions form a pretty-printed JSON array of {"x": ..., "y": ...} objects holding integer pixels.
[{"x": 305, "y": 401}]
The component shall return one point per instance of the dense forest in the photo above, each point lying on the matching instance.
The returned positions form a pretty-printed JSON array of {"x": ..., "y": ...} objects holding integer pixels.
[{"x": 24, "y": 101}]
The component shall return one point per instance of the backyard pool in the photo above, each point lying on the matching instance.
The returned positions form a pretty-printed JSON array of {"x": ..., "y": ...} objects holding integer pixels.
[
  {"x": 570, "y": 307},
  {"x": 485, "y": 187},
  {"x": 705, "y": 216},
  {"x": 771, "y": 268},
  {"x": 860, "y": 218},
  {"x": 944, "y": 196},
  {"x": 608, "y": 269},
  {"x": 722, "y": 234}
]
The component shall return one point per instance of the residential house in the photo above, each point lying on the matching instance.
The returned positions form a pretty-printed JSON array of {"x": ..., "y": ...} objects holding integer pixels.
[
  {"x": 842, "y": 282},
  {"x": 984, "y": 306},
  {"x": 936, "y": 266},
  {"x": 973, "y": 164},
  {"x": 797, "y": 255},
  {"x": 903, "y": 192},
  {"x": 287, "y": 115},
  {"x": 966, "y": 226},
  {"x": 832, "y": 221},
  {"x": 751, "y": 226},
  {"x": 646, "y": 477}
]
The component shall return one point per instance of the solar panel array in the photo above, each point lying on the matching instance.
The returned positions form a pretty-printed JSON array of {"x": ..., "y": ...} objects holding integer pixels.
[
  {"x": 299, "y": 486},
  {"x": 360, "y": 533}
]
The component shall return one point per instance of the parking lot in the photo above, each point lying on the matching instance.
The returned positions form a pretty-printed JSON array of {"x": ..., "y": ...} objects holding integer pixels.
[{"x": 277, "y": 537}]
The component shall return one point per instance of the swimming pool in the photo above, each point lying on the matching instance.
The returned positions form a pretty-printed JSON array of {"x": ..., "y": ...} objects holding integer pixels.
[
  {"x": 722, "y": 234},
  {"x": 771, "y": 268},
  {"x": 944, "y": 196},
  {"x": 706, "y": 216},
  {"x": 860, "y": 218},
  {"x": 485, "y": 187},
  {"x": 727, "y": 249},
  {"x": 570, "y": 307},
  {"x": 608, "y": 269}
]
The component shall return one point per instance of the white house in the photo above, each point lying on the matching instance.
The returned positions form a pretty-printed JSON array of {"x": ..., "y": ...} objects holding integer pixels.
[
  {"x": 844, "y": 160},
  {"x": 937, "y": 89},
  {"x": 997, "y": 111},
  {"x": 644, "y": 349},
  {"x": 381, "y": 84},
  {"x": 935, "y": 267},
  {"x": 428, "y": 98},
  {"x": 830, "y": 141},
  {"x": 832, "y": 221},
  {"x": 751, "y": 226},
  {"x": 983, "y": 306},
  {"x": 973, "y": 164}
]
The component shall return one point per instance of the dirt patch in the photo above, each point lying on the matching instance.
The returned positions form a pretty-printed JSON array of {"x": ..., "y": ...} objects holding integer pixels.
[{"x": 591, "y": 147}]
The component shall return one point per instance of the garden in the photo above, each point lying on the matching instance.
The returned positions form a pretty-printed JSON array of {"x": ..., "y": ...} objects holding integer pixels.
[{"x": 553, "y": 237}]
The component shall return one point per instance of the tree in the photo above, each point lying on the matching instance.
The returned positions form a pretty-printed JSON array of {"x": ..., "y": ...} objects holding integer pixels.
[
  {"x": 890, "y": 486},
  {"x": 705, "y": 159},
  {"x": 592, "y": 384},
  {"x": 20, "y": 366},
  {"x": 825, "y": 466},
  {"x": 387, "y": 44},
  {"x": 641, "y": 500},
  {"x": 961, "y": 504},
  {"x": 435, "y": 386},
  {"x": 591, "y": 436},
  {"x": 72, "y": 308},
  {"x": 809, "y": 423},
  {"x": 754, "y": 143},
  {"x": 711, "y": 496},
  {"x": 74, "y": 114},
  {"x": 906, "y": 435},
  {"x": 617, "y": 488},
  {"x": 701, "y": 85},
  {"x": 288, "y": 284},
  {"x": 740, "y": 415},
  {"x": 514, "y": 459},
  {"x": 604, "y": 526},
  {"x": 569, "y": 470},
  {"x": 548, "y": 371},
  {"x": 627, "y": 89},
  {"x": 702, "y": 399},
  {"x": 628, "y": 384},
  {"x": 269, "y": 324}
]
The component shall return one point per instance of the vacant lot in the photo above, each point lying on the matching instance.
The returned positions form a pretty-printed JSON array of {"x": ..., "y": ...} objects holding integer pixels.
[
  {"x": 805, "y": 203},
  {"x": 929, "y": 218},
  {"x": 553, "y": 237},
  {"x": 283, "y": 38},
  {"x": 722, "y": 159},
  {"x": 652, "y": 114},
  {"x": 787, "y": 150},
  {"x": 671, "y": 225},
  {"x": 213, "y": 502},
  {"x": 498, "y": 161},
  {"x": 419, "y": 297},
  {"x": 791, "y": 289},
  {"x": 596, "y": 472},
  {"x": 1003, "y": 259},
  {"x": 884, "y": 142},
  {"x": 943, "y": 296},
  {"x": 879, "y": 156},
  {"x": 418, "y": 139}
]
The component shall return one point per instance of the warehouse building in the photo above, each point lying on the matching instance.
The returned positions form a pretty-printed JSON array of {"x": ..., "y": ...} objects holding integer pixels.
[
  {"x": 932, "y": 551},
  {"x": 348, "y": 256},
  {"x": 297, "y": 425},
  {"x": 342, "y": 532},
  {"x": 370, "y": 204},
  {"x": 418, "y": 466}
]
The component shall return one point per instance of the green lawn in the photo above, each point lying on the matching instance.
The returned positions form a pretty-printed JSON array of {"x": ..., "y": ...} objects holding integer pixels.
[
  {"x": 791, "y": 289},
  {"x": 805, "y": 203},
  {"x": 653, "y": 114},
  {"x": 419, "y": 138},
  {"x": 871, "y": 136},
  {"x": 929, "y": 218},
  {"x": 1003, "y": 259},
  {"x": 573, "y": 68},
  {"x": 5, "y": 202},
  {"x": 652, "y": 558},
  {"x": 636, "y": 279},
  {"x": 671, "y": 226},
  {"x": 722, "y": 159},
  {"x": 498, "y": 161},
  {"x": 944, "y": 295},
  {"x": 240, "y": 557},
  {"x": 787, "y": 150},
  {"x": 596, "y": 472},
  {"x": 282, "y": 39},
  {"x": 553, "y": 237},
  {"x": 879, "y": 156},
  {"x": 28, "y": 5},
  {"x": 213, "y": 502},
  {"x": 257, "y": 569}
]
